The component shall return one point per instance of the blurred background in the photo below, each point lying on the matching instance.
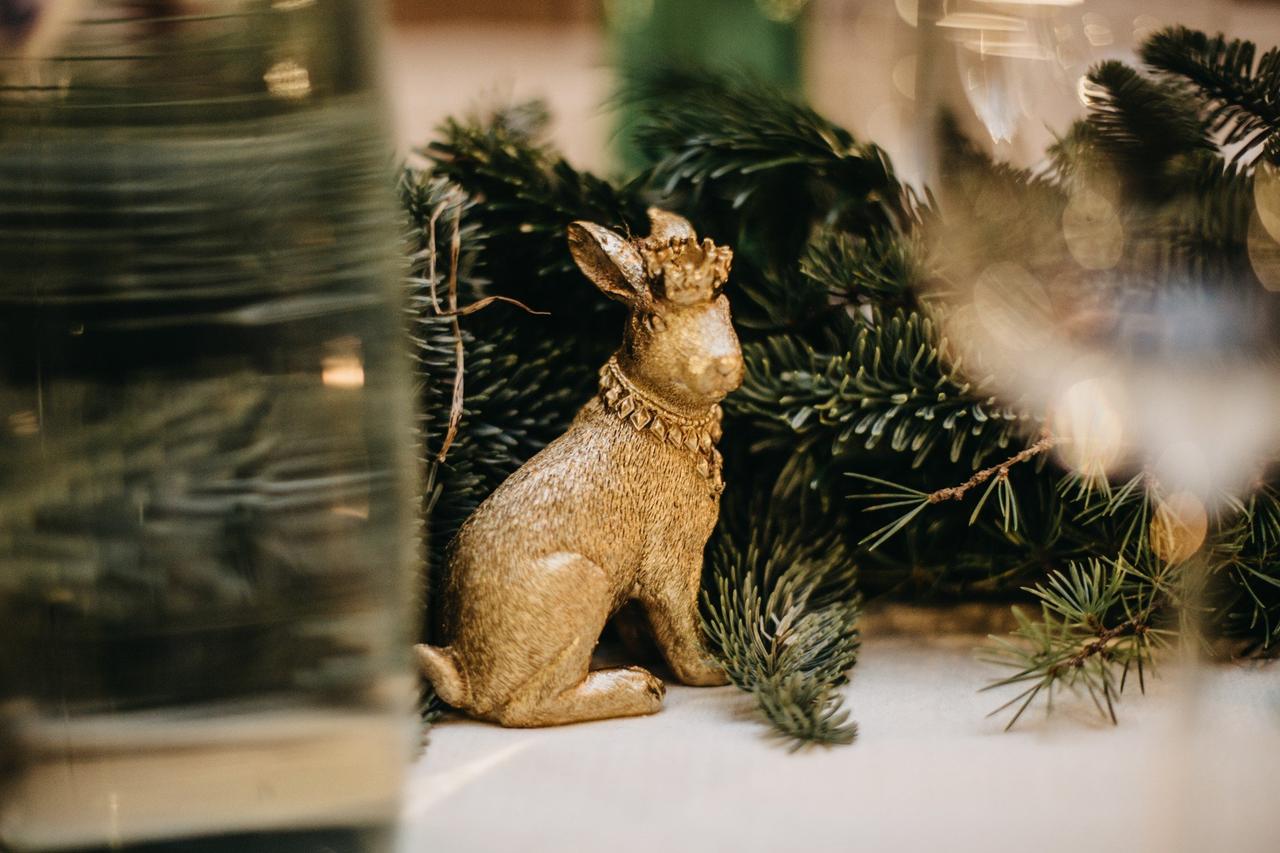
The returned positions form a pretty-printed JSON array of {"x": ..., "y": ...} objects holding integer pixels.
[{"x": 857, "y": 61}]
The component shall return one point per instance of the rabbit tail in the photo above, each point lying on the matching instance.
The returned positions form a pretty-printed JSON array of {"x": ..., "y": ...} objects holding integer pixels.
[{"x": 442, "y": 670}]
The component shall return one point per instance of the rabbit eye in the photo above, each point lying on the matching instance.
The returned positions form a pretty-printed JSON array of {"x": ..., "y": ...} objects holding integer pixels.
[{"x": 655, "y": 323}]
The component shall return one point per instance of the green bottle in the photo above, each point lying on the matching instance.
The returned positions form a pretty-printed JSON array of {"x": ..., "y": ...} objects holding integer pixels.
[{"x": 760, "y": 37}]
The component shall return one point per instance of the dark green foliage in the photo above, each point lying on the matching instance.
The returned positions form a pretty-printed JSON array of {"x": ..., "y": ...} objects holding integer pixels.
[
  {"x": 782, "y": 609},
  {"x": 526, "y": 196},
  {"x": 1095, "y": 628},
  {"x": 893, "y": 384},
  {"x": 1139, "y": 123},
  {"x": 1237, "y": 94},
  {"x": 1248, "y": 591},
  {"x": 750, "y": 151},
  {"x": 883, "y": 268}
]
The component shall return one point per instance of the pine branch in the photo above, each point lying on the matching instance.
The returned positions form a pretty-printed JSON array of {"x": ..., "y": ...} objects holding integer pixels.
[
  {"x": 527, "y": 195},
  {"x": 1250, "y": 575},
  {"x": 1095, "y": 628},
  {"x": 1241, "y": 94},
  {"x": 895, "y": 384},
  {"x": 1140, "y": 122},
  {"x": 781, "y": 609},
  {"x": 884, "y": 268},
  {"x": 912, "y": 502},
  {"x": 747, "y": 154},
  {"x": 1001, "y": 471}
]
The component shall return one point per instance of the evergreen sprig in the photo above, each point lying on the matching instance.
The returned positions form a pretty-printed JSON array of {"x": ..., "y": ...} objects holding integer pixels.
[
  {"x": 1140, "y": 122},
  {"x": 782, "y": 608},
  {"x": 746, "y": 142},
  {"x": 893, "y": 384},
  {"x": 1237, "y": 94},
  {"x": 1095, "y": 627}
]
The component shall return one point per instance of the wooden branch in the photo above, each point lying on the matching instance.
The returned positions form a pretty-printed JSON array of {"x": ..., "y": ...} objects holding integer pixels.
[
  {"x": 1097, "y": 646},
  {"x": 455, "y": 409},
  {"x": 955, "y": 493},
  {"x": 454, "y": 312},
  {"x": 481, "y": 304}
]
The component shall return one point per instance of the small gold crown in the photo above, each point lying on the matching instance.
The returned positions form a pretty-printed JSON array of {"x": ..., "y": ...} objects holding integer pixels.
[{"x": 685, "y": 271}]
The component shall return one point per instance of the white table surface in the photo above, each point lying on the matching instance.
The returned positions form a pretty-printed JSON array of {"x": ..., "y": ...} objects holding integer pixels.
[{"x": 1193, "y": 766}]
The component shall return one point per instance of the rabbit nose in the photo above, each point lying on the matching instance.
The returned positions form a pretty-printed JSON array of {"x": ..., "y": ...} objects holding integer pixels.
[{"x": 727, "y": 365}]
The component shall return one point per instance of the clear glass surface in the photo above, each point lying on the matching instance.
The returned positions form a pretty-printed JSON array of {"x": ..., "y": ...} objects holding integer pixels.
[{"x": 207, "y": 490}]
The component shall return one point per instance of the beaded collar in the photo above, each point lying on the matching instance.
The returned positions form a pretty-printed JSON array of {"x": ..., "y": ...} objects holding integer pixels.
[{"x": 620, "y": 396}]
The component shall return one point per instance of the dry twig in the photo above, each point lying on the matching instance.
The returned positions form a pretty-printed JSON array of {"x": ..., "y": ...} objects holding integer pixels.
[{"x": 955, "y": 493}]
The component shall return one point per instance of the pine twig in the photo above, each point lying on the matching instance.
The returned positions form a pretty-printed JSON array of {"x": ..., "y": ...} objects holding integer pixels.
[
  {"x": 1071, "y": 644},
  {"x": 455, "y": 407},
  {"x": 781, "y": 610},
  {"x": 1130, "y": 627},
  {"x": 912, "y": 502},
  {"x": 481, "y": 304},
  {"x": 454, "y": 313},
  {"x": 955, "y": 493}
]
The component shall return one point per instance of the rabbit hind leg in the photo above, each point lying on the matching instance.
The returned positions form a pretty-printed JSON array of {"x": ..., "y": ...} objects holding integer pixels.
[
  {"x": 563, "y": 690},
  {"x": 604, "y": 694}
]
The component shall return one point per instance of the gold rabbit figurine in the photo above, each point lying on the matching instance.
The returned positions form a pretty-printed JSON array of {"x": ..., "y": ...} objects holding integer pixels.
[{"x": 617, "y": 509}]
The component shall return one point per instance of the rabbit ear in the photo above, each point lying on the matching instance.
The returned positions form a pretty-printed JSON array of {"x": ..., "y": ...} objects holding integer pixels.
[
  {"x": 665, "y": 226},
  {"x": 610, "y": 261}
]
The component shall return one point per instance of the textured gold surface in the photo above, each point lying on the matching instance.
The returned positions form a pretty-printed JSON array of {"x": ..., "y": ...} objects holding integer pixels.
[{"x": 619, "y": 508}]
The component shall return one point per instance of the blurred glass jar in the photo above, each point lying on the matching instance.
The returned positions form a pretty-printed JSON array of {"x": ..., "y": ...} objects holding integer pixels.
[
  {"x": 207, "y": 491},
  {"x": 1108, "y": 241},
  {"x": 1106, "y": 258}
]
